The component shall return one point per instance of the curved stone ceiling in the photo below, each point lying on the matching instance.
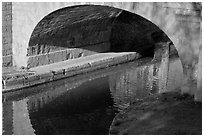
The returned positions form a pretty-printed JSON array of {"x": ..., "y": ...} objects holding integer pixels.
[{"x": 84, "y": 25}]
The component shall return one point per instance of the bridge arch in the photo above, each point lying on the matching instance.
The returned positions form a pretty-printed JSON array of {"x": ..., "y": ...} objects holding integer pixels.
[
  {"x": 25, "y": 20},
  {"x": 82, "y": 30}
]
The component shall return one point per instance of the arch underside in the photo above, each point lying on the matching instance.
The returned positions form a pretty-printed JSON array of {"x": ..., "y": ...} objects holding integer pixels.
[{"x": 95, "y": 29}]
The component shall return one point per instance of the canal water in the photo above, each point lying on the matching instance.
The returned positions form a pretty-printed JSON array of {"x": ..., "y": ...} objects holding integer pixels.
[{"x": 86, "y": 104}]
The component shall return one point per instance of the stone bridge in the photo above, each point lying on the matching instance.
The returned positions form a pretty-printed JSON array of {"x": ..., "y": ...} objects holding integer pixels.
[{"x": 36, "y": 34}]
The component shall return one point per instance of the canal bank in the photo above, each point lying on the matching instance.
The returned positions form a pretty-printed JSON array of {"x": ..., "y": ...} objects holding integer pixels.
[
  {"x": 161, "y": 114},
  {"x": 13, "y": 79}
]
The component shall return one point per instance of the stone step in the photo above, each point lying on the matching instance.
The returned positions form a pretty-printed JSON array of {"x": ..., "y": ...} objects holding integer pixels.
[{"x": 67, "y": 68}]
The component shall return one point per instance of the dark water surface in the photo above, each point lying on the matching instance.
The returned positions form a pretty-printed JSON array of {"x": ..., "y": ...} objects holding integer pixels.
[{"x": 86, "y": 104}]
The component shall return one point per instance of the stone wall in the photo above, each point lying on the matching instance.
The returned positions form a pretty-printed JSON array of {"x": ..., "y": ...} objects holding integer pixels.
[
  {"x": 26, "y": 15},
  {"x": 7, "y": 34}
]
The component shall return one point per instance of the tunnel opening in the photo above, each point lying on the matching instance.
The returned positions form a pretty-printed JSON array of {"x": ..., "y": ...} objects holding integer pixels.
[{"x": 84, "y": 30}]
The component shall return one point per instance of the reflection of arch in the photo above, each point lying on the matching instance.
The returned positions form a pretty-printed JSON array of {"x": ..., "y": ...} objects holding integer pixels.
[
  {"x": 91, "y": 29},
  {"x": 78, "y": 110}
]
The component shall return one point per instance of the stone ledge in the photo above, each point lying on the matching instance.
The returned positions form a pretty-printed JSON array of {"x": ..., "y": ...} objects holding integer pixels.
[
  {"x": 68, "y": 68},
  {"x": 67, "y": 54}
]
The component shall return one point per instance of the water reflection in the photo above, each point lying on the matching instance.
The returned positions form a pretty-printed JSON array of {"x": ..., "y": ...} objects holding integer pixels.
[
  {"x": 82, "y": 110},
  {"x": 86, "y": 104},
  {"x": 135, "y": 84}
]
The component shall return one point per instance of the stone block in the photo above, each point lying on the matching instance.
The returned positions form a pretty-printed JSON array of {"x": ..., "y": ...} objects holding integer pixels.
[
  {"x": 53, "y": 57},
  {"x": 43, "y": 59},
  {"x": 32, "y": 61},
  {"x": 7, "y": 50},
  {"x": 6, "y": 41},
  {"x": 6, "y": 28},
  {"x": 57, "y": 56},
  {"x": 88, "y": 52},
  {"x": 74, "y": 53}
]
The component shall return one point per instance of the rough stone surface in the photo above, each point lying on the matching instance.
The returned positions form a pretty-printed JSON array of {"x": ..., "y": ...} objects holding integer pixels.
[
  {"x": 61, "y": 55},
  {"x": 7, "y": 61},
  {"x": 7, "y": 34}
]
